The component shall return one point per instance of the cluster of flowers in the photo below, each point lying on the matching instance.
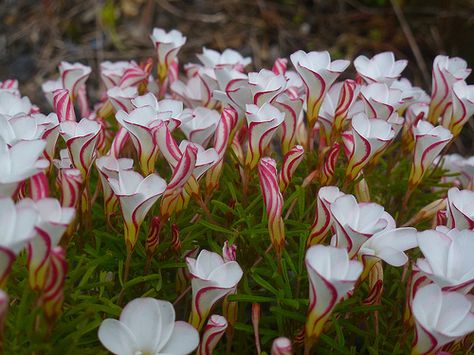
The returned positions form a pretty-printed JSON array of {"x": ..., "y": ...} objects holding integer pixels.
[{"x": 219, "y": 107}]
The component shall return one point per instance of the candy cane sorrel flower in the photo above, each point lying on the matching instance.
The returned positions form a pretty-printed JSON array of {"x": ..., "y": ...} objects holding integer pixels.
[
  {"x": 52, "y": 223},
  {"x": 463, "y": 107},
  {"x": 460, "y": 209},
  {"x": 441, "y": 317},
  {"x": 446, "y": 72},
  {"x": 18, "y": 224},
  {"x": 291, "y": 161},
  {"x": 201, "y": 125},
  {"x": 273, "y": 200},
  {"x": 370, "y": 137},
  {"x": 81, "y": 141},
  {"x": 318, "y": 74},
  {"x": 262, "y": 124},
  {"x": 167, "y": 45},
  {"x": 212, "y": 280},
  {"x": 429, "y": 142},
  {"x": 265, "y": 86},
  {"x": 381, "y": 68},
  {"x": 18, "y": 163},
  {"x": 136, "y": 195},
  {"x": 448, "y": 258},
  {"x": 356, "y": 222},
  {"x": 213, "y": 332},
  {"x": 148, "y": 326},
  {"x": 109, "y": 167},
  {"x": 322, "y": 218},
  {"x": 331, "y": 276},
  {"x": 73, "y": 77}
]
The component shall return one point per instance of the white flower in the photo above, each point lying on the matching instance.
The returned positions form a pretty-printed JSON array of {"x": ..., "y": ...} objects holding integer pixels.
[
  {"x": 147, "y": 326},
  {"x": 381, "y": 68},
  {"x": 448, "y": 257}
]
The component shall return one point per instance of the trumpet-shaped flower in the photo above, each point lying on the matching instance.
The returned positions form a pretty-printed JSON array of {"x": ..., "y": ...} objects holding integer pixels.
[
  {"x": 52, "y": 223},
  {"x": 109, "y": 167},
  {"x": 356, "y": 222},
  {"x": 167, "y": 45},
  {"x": 318, "y": 73},
  {"x": 148, "y": 326},
  {"x": 170, "y": 111},
  {"x": 381, "y": 68},
  {"x": 20, "y": 128},
  {"x": 212, "y": 279},
  {"x": 234, "y": 89},
  {"x": 291, "y": 161},
  {"x": 273, "y": 200},
  {"x": 323, "y": 219},
  {"x": 331, "y": 276},
  {"x": 136, "y": 196},
  {"x": 448, "y": 258},
  {"x": 380, "y": 101},
  {"x": 12, "y": 105},
  {"x": 292, "y": 107},
  {"x": 265, "y": 86},
  {"x": 446, "y": 72},
  {"x": 81, "y": 141},
  {"x": 63, "y": 106},
  {"x": 441, "y": 317},
  {"x": 228, "y": 58},
  {"x": 262, "y": 124},
  {"x": 18, "y": 224},
  {"x": 224, "y": 132},
  {"x": 52, "y": 297},
  {"x": 370, "y": 137},
  {"x": 463, "y": 107},
  {"x": 213, "y": 332},
  {"x": 112, "y": 72},
  {"x": 73, "y": 76},
  {"x": 459, "y": 209},
  {"x": 201, "y": 125},
  {"x": 121, "y": 98},
  {"x": 429, "y": 142},
  {"x": 139, "y": 124},
  {"x": 18, "y": 163}
]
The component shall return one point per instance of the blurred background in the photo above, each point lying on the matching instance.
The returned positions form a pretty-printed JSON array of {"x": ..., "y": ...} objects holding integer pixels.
[{"x": 35, "y": 35}]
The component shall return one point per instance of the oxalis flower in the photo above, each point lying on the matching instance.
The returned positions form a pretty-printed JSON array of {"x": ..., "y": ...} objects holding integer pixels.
[
  {"x": 148, "y": 326},
  {"x": 463, "y": 107},
  {"x": 73, "y": 77},
  {"x": 213, "y": 332},
  {"x": 356, "y": 222},
  {"x": 265, "y": 86},
  {"x": 167, "y": 45},
  {"x": 370, "y": 137},
  {"x": 381, "y": 68},
  {"x": 52, "y": 223},
  {"x": 136, "y": 195},
  {"x": 331, "y": 276},
  {"x": 109, "y": 167},
  {"x": 460, "y": 209},
  {"x": 323, "y": 219},
  {"x": 318, "y": 73},
  {"x": 429, "y": 142},
  {"x": 273, "y": 200},
  {"x": 262, "y": 124},
  {"x": 81, "y": 141},
  {"x": 441, "y": 317},
  {"x": 18, "y": 163},
  {"x": 212, "y": 280},
  {"x": 282, "y": 346},
  {"x": 18, "y": 224},
  {"x": 446, "y": 72},
  {"x": 448, "y": 258}
]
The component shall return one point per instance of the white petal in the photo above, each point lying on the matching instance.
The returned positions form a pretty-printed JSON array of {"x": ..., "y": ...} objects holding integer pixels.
[
  {"x": 117, "y": 338},
  {"x": 183, "y": 340}
]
